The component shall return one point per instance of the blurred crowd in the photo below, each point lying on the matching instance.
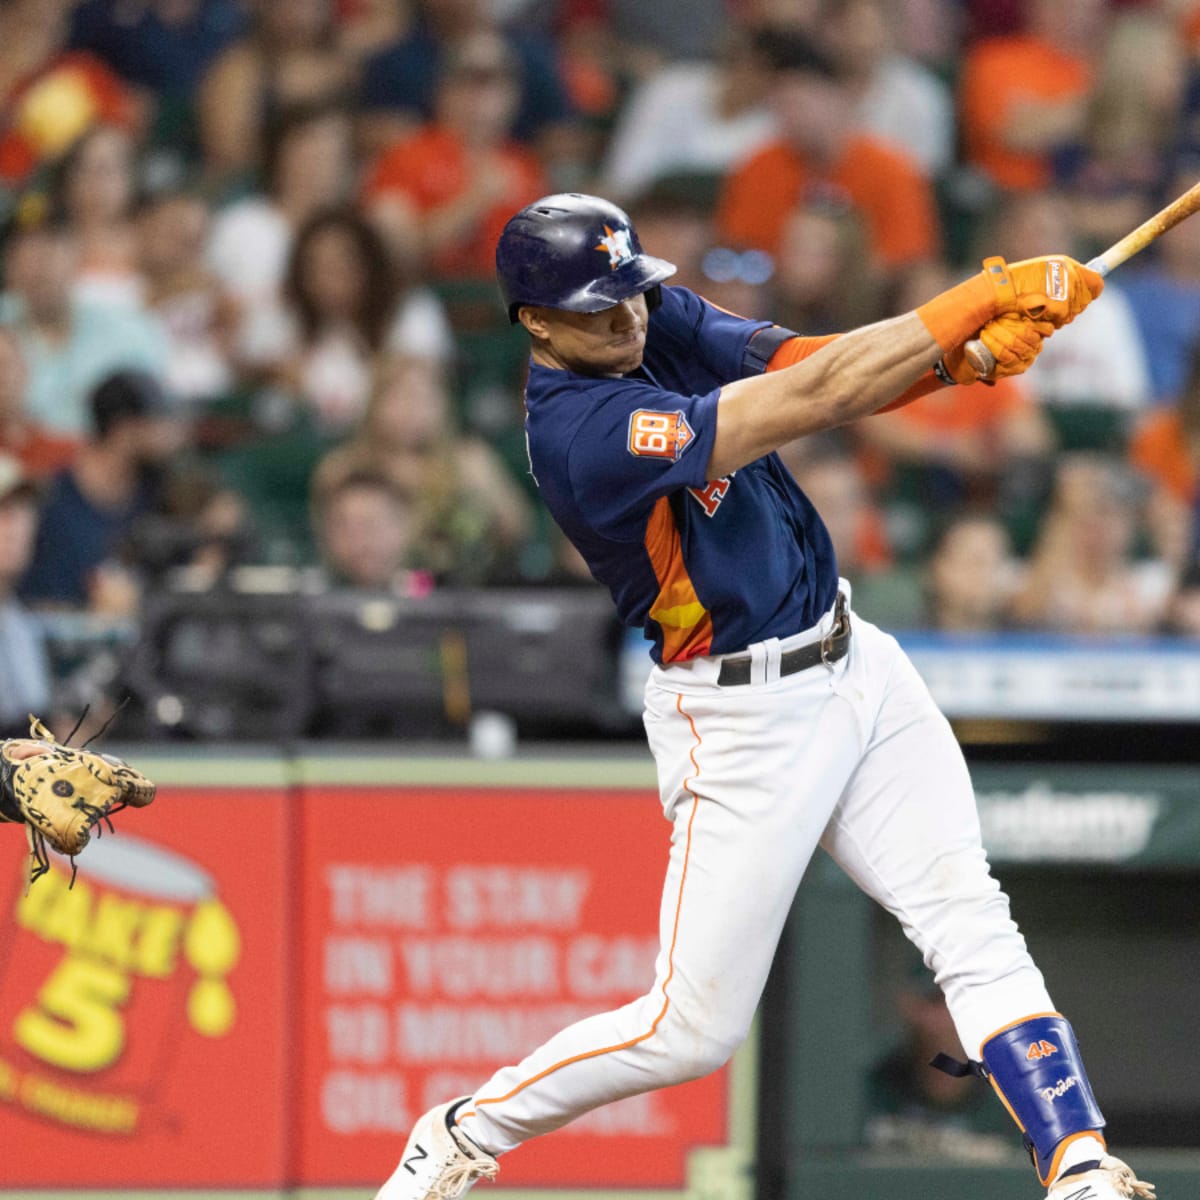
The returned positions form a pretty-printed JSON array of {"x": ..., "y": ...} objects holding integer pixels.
[{"x": 248, "y": 312}]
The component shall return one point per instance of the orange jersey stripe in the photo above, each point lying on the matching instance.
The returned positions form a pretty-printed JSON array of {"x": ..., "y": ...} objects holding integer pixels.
[
  {"x": 670, "y": 954},
  {"x": 685, "y": 623}
]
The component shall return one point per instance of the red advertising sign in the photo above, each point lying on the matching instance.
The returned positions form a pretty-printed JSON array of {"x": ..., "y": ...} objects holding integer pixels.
[
  {"x": 143, "y": 1012},
  {"x": 448, "y": 932}
]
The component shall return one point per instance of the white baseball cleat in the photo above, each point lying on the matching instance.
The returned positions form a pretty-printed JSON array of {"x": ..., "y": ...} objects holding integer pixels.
[
  {"x": 1111, "y": 1180},
  {"x": 439, "y": 1163}
]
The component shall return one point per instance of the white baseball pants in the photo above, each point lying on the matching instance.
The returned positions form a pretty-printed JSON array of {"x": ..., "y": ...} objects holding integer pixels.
[{"x": 855, "y": 757}]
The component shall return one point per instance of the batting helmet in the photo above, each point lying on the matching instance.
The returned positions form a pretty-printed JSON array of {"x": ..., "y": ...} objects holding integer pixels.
[{"x": 574, "y": 252}]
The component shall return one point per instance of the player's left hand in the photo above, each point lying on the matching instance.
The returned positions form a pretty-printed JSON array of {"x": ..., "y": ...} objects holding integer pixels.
[
  {"x": 1014, "y": 340},
  {"x": 60, "y": 793},
  {"x": 1053, "y": 288}
]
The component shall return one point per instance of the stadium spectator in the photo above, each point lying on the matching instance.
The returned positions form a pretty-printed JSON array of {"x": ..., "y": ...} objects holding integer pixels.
[
  {"x": 970, "y": 575},
  {"x": 799, "y": 16},
  {"x": 738, "y": 280},
  {"x": 197, "y": 531},
  {"x": 69, "y": 346},
  {"x": 50, "y": 95},
  {"x": 307, "y": 168},
  {"x": 991, "y": 18},
  {"x": 819, "y": 148},
  {"x": 1163, "y": 290},
  {"x": 594, "y": 75},
  {"x": 1117, "y": 175},
  {"x": 932, "y": 33},
  {"x": 694, "y": 117},
  {"x": 399, "y": 83},
  {"x": 896, "y": 99},
  {"x": 652, "y": 34},
  {"x": 442, "y": 195},
  {"x": 1098, "y": 364},
  {"x": 977, "y": 445},
  {"x": 916, "y": 1111},
  {"x": 290, "y": 56},
  {"x": 184, "y": 295},
  {"x": 26, "y": 683},
  {"x": 95, "y": 190},
  {"x": 1165, "y": 448},
  {"x": 680, "y": 223},
  {"x": 823, "y": 281},
  {"x": 38, "y": 451},
  {"x": 1183, "y": 610},
  {"x": 160, "y": 49},
  {"x": 1083, "y": 575},
  {"x": 1024, "y": 95},
  {"x": 348, "y": 312},
  {"x": 367, "y": 529},
  {"x": 91, "y": 508},
  {"x": 473, "y": 517},
  {"x": 366, "y": 27}
]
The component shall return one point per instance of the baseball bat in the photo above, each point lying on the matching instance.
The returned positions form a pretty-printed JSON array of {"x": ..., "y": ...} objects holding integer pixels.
[{"x": 980, "y": 357}]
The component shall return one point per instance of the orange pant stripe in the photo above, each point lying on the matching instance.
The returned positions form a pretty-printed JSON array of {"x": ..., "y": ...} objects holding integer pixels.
[{"x": 670, "y": 957}]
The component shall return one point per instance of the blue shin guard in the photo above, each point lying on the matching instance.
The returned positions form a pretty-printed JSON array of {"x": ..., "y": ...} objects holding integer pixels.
[{"x": 1036, "y": 1069}]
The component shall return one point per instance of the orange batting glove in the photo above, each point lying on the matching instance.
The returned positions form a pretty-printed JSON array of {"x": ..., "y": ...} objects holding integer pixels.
[
  {"x": 1014, "y": 341},
  {"x": 1055, "y": 288}
]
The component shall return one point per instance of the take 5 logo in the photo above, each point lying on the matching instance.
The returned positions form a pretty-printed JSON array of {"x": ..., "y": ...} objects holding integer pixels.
[{"x": 659, "y": 434}]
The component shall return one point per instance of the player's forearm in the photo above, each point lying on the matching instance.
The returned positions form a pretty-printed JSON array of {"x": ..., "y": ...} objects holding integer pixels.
[
  {"x": 797, "y": 349},
  {"x": 851, "y": 377}
]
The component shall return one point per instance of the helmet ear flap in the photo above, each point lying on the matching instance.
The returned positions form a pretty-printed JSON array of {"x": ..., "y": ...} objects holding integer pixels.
[{"x": 653, "y": 297}]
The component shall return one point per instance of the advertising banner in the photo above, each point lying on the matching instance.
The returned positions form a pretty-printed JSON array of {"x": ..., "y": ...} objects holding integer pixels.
[
  {"x": 144, "y": 1009},
  {"x": 447, "y": 932}
]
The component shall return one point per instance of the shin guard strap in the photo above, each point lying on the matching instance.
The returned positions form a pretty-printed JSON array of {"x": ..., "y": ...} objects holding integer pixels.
[{"x": 1036, "y": 1068}]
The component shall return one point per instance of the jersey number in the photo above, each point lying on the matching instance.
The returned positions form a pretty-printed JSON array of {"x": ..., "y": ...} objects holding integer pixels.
[{"x": 659, "y": 434}]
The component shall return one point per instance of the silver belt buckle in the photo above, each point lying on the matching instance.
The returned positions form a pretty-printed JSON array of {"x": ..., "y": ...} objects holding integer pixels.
[
  {"x": 826, "y": 647},
  {"x": 839, "y": 620}
]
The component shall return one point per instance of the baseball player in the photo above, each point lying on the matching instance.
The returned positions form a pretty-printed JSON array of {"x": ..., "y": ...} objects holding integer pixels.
[{"x": 779, "y": 719}]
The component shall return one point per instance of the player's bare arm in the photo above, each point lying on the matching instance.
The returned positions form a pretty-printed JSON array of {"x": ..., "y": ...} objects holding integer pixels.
[
  {"x": 851, "y": 377},
  {"x": 866, "y": 370}
]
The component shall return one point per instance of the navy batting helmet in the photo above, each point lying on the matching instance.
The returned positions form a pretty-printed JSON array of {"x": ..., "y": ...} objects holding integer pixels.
[{"x": 578, "y": 253}]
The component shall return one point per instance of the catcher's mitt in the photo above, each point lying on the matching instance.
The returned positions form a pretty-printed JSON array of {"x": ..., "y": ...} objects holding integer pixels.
[{"x": 59, "y": 793}]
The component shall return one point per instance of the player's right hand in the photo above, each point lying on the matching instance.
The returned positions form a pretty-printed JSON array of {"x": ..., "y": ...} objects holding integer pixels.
[
  {"x": 1014, "y": 341},
  {"x": 1053, "y": 288}
]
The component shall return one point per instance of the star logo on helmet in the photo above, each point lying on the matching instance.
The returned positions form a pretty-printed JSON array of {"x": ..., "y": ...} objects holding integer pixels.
[{"x": 619, "y": 246}]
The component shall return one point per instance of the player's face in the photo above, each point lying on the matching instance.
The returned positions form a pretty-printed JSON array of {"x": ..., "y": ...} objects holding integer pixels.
[{"x": 609, "y": 342}]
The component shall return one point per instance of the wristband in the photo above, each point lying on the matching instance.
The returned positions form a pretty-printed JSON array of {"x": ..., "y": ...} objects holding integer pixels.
[{"x": 943, "y": 373}]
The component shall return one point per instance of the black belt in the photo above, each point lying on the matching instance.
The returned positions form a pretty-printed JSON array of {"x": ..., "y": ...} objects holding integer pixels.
[{"x": 735, "y": 670}]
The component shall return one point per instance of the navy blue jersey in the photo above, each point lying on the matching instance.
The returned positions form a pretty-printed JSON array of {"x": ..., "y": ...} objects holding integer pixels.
[{"x": 704, "y": 566}]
